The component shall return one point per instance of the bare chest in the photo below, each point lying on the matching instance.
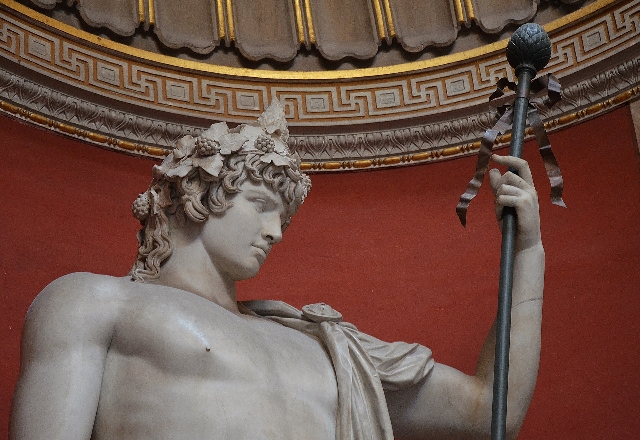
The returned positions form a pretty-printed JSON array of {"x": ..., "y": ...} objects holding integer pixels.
[{"x": 180, "y": 369}]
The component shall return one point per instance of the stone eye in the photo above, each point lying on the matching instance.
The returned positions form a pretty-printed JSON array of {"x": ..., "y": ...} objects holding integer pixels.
[{"x": 261, "y": 205}]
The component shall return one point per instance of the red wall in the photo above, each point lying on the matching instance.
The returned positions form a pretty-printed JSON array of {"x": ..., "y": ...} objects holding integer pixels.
[{"x": 385, "y": 248}]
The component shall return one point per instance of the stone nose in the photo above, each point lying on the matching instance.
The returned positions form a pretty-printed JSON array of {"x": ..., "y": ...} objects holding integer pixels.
[{"x": 272, "y": 229}]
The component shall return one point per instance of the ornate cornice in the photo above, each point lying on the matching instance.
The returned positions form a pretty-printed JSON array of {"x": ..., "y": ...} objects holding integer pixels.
[
  {"x": 136, "y": 101},
  {"x": 361, "y": 96},
  {"x": 414, "y": 144}
]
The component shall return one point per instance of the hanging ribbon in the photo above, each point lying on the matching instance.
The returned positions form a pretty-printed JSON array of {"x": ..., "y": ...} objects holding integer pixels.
[{"x": 546, "y": 92}]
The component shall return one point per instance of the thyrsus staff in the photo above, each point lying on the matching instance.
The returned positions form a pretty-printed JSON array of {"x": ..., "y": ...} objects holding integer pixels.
[{"x": 528, "y": 51}]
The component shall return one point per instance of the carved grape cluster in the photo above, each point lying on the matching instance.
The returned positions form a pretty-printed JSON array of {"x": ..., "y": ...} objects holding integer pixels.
[
  {"x": 141, "y": 207},
  {"x": 265, "y": 143},
  {"x": 207, "y": 147}
]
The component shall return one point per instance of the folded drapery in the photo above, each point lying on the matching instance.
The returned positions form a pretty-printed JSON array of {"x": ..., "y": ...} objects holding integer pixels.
[{"x": 365, "y": 367}]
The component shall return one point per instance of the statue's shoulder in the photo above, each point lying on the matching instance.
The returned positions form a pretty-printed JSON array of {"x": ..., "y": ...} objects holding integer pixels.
[
  {"x": 80, "y": 295},
  {"x": 76, "y": 313},
  {"x": 75, "y": 286}
]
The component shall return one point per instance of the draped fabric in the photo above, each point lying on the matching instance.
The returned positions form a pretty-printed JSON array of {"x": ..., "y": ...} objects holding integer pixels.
[
  {"x": 277, "y": 29},
  {"x": 365, "y": 367}
]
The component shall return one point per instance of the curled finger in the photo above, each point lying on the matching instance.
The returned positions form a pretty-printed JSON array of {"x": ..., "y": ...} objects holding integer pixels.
[
  {"x": 494, "y": 179},
  {"x": 520, "y": 165}
]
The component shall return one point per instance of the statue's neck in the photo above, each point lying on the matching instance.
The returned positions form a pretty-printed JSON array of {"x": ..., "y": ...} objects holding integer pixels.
[{"x": 187, "y": 269}]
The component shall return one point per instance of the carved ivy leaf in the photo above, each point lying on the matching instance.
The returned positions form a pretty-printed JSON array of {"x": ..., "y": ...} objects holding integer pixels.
[
  {"x": 273, "y": 120},
  {"x": 216, "y": 131},
  {"x": 184, "y": 147},
  {"x": 180, "y": 169},
  {"x": 210, "y": 164},
  {"x": 231, "y": 142},
  {"x": 281, "y": 147},
  {"x": 251, "y": 133},
  {"x": 157, "y": 170}
]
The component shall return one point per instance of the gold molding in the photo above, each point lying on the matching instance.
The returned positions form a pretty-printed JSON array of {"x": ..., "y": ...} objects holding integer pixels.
[
  {"x": 448, "y": 90},
  {"x": 232, "y": 31},
  {"x": 469, "y": 9},
  {"x": 312, "y": 32},
  {"x": 141, "y": 9},
  {"x": 379, "y": 162},
  {"x": 333, "y": 75},
  {"x": 468, "y": 148},
  {"x": 299, "y": 23},
  {"x": 152, "y": 12},
  {"x": 390, "y": 25},
  {"x": 459, "y": 11},
  {"x": 91, "y": 136},
  {"x": 377, "y": 10},
  {"x": 221, "y": 20}
]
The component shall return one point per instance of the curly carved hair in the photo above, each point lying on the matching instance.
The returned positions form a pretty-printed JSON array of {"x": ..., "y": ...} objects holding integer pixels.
[{"x": 197, "y": 195}]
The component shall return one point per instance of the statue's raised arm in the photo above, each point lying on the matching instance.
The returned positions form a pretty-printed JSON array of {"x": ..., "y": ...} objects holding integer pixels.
[{"x": 450, "y": 404}]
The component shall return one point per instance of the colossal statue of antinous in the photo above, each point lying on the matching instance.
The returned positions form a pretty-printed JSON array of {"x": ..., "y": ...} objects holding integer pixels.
[{"x": 167, "y": 352}]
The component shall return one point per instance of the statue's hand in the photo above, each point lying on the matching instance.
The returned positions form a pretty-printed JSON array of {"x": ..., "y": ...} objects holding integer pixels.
[{"x": 518, "y": 192}]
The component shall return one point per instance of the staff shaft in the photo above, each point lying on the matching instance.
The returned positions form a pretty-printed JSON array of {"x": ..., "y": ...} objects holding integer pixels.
[{"x": 507, "y": 257}]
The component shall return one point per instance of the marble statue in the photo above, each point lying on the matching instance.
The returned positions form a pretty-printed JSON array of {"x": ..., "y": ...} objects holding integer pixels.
[{"x": 168, "y": 353}]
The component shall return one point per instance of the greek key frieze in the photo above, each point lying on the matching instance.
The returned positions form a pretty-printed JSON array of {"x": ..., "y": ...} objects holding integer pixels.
[
  {"x": 429, "y": 141},
  {"x": 357, "y": 100}
]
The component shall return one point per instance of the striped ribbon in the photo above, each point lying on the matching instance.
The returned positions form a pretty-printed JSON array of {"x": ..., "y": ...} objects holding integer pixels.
[{"x": 545, "y": 91}]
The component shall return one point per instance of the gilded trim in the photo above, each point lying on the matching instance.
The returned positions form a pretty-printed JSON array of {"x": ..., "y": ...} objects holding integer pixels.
[
  {"x": 469, "y": 148},
  {"x": 299, "y": 23},
  {"x": 470, "y": 11},
  {"x": 451, "y": 88},
  {"x": 221, "y": 20},
  {"x": 152, "y": 12},
  {"x": 141, "y": 9},
  {"x": 232, "y": 31},
  {"x": 90, "y": 136},
  {"x": 312, "y": 32},
  {"x": 379, "y": 20},
  {"x": 459, "y": 11},
  {"x": 319, "y": 166},
  {"x": 390, "y": 26},
  {"x": 332, "y": 75}
]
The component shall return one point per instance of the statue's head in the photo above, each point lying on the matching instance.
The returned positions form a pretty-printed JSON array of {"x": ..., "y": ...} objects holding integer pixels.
[{"x": 201, "y": 175}]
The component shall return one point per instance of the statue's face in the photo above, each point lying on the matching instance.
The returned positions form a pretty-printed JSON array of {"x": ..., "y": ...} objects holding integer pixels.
[{"x": 239, "y": 240}]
